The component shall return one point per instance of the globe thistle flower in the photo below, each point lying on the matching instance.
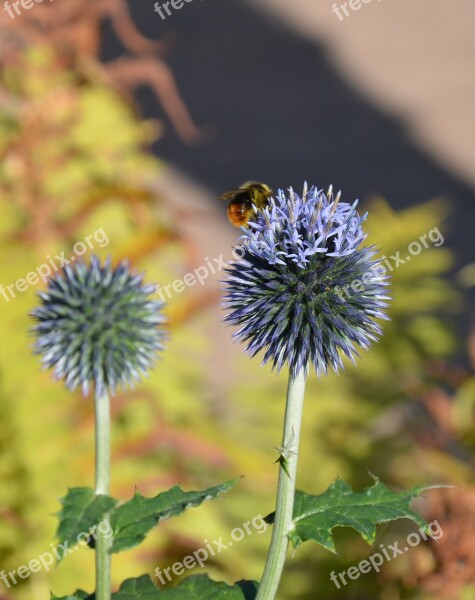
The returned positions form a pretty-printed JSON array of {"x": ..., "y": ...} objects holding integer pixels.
[
  {"x": 97, "y": 325},
  {"x": 291, "y": 289}
]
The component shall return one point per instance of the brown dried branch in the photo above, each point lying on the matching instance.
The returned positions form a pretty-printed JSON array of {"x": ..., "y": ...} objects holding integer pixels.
[
  {"x": 132, "y": 72},
  {"x": 74, "y": 28},
  {"x": 129, "y": 35}
]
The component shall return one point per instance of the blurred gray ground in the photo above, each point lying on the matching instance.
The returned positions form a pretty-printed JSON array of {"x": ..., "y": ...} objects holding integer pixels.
[{"x": 381, "y": 102}]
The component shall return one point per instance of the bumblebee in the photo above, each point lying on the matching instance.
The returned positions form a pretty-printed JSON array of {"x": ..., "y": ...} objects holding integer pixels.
[{"x": 244, "y": 202}]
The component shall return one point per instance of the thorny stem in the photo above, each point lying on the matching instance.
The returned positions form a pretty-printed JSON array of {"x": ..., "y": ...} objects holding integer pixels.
[{"x": 285, "y": 488}]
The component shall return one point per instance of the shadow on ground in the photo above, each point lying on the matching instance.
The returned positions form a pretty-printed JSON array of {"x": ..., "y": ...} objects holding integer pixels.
[{"x": 282, "y": 114}]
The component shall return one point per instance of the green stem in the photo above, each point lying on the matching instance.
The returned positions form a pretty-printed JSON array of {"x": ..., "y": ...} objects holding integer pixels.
[
  {"x": 285, "y": 489},
  {"x": 102, "y": 432}
]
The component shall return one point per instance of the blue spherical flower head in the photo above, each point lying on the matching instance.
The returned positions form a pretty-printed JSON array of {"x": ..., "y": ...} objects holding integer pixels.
[
  {"x": 305, "y": 290},
  {"x": 97, "y": 326}
]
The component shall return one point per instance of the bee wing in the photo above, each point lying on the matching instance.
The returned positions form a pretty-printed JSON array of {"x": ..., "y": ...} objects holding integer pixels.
[{"x": 230, "y": 195}]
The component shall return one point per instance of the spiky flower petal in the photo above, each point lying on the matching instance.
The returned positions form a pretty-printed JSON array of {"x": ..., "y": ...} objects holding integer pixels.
[
  {"x": 293, "y": 291},
  {"x": 96, "y": 325}
]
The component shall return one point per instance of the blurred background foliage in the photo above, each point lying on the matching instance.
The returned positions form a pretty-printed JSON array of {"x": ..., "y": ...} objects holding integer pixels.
[{"x": 76, "y": 159}]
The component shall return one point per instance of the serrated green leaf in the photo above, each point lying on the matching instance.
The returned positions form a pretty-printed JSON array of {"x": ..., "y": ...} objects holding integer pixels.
[
  {"x": 198, "y": 587},
  {"x": 316, "y": 516},
  {"x": 140, "y": 588},
  {"x": 132, "y": 520},
  {"x": 201, "y": 587},
  {"x": 81, "y": 511},
  {"x": 79, "y": 595}
]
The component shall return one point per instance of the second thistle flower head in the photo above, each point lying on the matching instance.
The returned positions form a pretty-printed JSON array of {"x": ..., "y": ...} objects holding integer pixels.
[
  {"x": 96, "y": 325},
  {"x": 292, "y": 292}
]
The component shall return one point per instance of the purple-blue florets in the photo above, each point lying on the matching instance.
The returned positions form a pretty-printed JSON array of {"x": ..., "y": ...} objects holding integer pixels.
[{"x": 292, "y": 292}]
